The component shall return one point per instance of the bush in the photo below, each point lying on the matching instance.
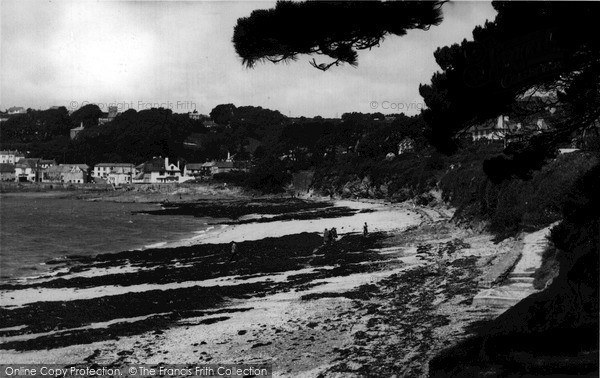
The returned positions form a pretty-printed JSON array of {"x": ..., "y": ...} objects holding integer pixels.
[
  {"x": 548, "y": 270},
  {"x": 269, "y": 176},
  {"x": 514, "y": 204}
]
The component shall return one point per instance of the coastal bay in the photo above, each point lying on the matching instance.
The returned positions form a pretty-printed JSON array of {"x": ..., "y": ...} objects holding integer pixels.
[{"x": 288, "y": 300}]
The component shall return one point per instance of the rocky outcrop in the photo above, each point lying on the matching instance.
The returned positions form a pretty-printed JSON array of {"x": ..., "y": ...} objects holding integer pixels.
[{"x": 357, "y": 187}]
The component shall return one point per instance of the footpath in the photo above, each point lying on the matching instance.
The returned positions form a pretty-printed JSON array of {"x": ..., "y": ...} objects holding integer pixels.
[{"x": 511, "y": 280}]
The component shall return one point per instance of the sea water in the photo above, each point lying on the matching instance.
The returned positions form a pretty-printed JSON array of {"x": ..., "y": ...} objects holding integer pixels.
[{"x": 36, "y": 228}]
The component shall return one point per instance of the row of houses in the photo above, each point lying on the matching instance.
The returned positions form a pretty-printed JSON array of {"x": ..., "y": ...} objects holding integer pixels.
[
  {"x": 503, "y": 128},
  {"x": 15, "y": 167},
  {"x": 42, "y": 170},
  {"x": 10, "y": 157},
  {"x": 159, "y": 170}
]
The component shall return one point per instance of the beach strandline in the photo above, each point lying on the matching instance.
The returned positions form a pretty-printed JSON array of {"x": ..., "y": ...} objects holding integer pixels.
[{"x": 379, "y": 217}]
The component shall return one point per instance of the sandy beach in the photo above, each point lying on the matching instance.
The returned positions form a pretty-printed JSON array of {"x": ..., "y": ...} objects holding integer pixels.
[{"x": 380, "y": 305}]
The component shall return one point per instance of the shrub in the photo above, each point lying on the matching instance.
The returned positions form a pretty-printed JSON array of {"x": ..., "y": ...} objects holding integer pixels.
[
  {"x": 269, "y": 176},
  {"x": 239, "y": 178},
  {"x": 548, "y": 270},
  {"x": 513, "y": 204}
]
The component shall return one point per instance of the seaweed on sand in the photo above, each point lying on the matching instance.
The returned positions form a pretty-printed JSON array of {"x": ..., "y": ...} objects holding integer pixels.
[
  {"x": 77, "y": 321},
  {"x": 234, "y": 209}
]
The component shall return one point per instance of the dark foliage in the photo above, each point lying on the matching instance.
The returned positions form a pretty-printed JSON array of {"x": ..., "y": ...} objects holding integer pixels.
[
  {"x": 332, "y": 28},
  {"x": 36, "y": 126},
  {"x": 222, "y": 114},
  {"x": 515, "y": 204},
  {"x": 546, "y": 49},
  {"x": 87, "y": 114},
  {"x": 135, "y": 137},
  {"x": 269, "y": 175}
]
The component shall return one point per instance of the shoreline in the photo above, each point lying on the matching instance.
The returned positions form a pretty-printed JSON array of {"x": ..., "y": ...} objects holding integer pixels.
[
  {"x": 215, "y": 230},
  {"x": 339, "y": 305}
]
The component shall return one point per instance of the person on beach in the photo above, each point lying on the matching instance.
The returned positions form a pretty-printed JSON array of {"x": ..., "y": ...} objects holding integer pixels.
[
  {"x": 365, "y": 230},
  {"x": 233, "y": 251},
  {"x": 326, "y": 236},
  {"x": 333, "y": 234},
  {"x": 441, "y": 264}
]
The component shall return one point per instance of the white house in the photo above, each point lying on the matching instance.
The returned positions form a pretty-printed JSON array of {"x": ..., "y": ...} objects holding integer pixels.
[
  {"x": 159, "y": 170},
  {"x": 16, "y": 110},
  {"x": 172, "y": 170},
  {"x": 115, "y": 173},
  {"x": 66, "y": 173},
  {"x": 103, "y": 170},
  {"x": 10, "y": 157},
  {"x": 193, "y": 170},
  {"x": 121, "y": 176},
  {"x": 27, "y": 170},
  {"x": 490, "y": 130},
  {"x": 214, "y": 167}
]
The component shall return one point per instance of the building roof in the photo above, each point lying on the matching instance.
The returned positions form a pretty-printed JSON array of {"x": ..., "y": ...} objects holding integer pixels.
[
  {"x": 124, "y": 165},
  {"x": 154, "y": 165},
  {"x": 172, "y": 168},
  {"x": 28, "y": 163},
  {"x": 194, "y": 165},
  {"x": 120, "y": 171},
  {"x": 223, "y": 164},
  {"x": 7, "y": 168},
  {"x": 489, "y": 125},
  {"x": 57, "y": 169},
  {"x": 83, "y": 167},
  {"x": 9, "y": 152}
]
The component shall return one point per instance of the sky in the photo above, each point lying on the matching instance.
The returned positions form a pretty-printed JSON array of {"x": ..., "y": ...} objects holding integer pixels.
[{"x": 179, "y": 55}]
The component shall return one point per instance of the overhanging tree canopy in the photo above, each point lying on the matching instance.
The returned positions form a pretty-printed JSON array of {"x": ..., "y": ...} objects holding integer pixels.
[{"x": 336, "y": 29}]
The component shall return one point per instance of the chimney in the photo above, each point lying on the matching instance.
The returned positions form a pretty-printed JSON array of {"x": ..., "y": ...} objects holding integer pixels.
[{"x": 167, "y": 162}]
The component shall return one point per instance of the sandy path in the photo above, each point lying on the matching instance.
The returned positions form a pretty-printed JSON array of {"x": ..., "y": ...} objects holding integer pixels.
[{"x": 534, "y": 245}]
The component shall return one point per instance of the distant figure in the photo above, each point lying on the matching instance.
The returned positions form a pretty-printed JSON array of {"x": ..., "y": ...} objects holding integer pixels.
[
  {"x": 440, "y": 261},
  {"x": 366, "y": 230},
  {"x": 233, "y": 251},
  {"x": 325, "y": 236},
  {"x": 333, "y": 234}
]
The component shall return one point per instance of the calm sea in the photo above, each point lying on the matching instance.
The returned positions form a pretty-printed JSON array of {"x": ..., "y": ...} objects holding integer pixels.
[{"x": 37, "y": 227}]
